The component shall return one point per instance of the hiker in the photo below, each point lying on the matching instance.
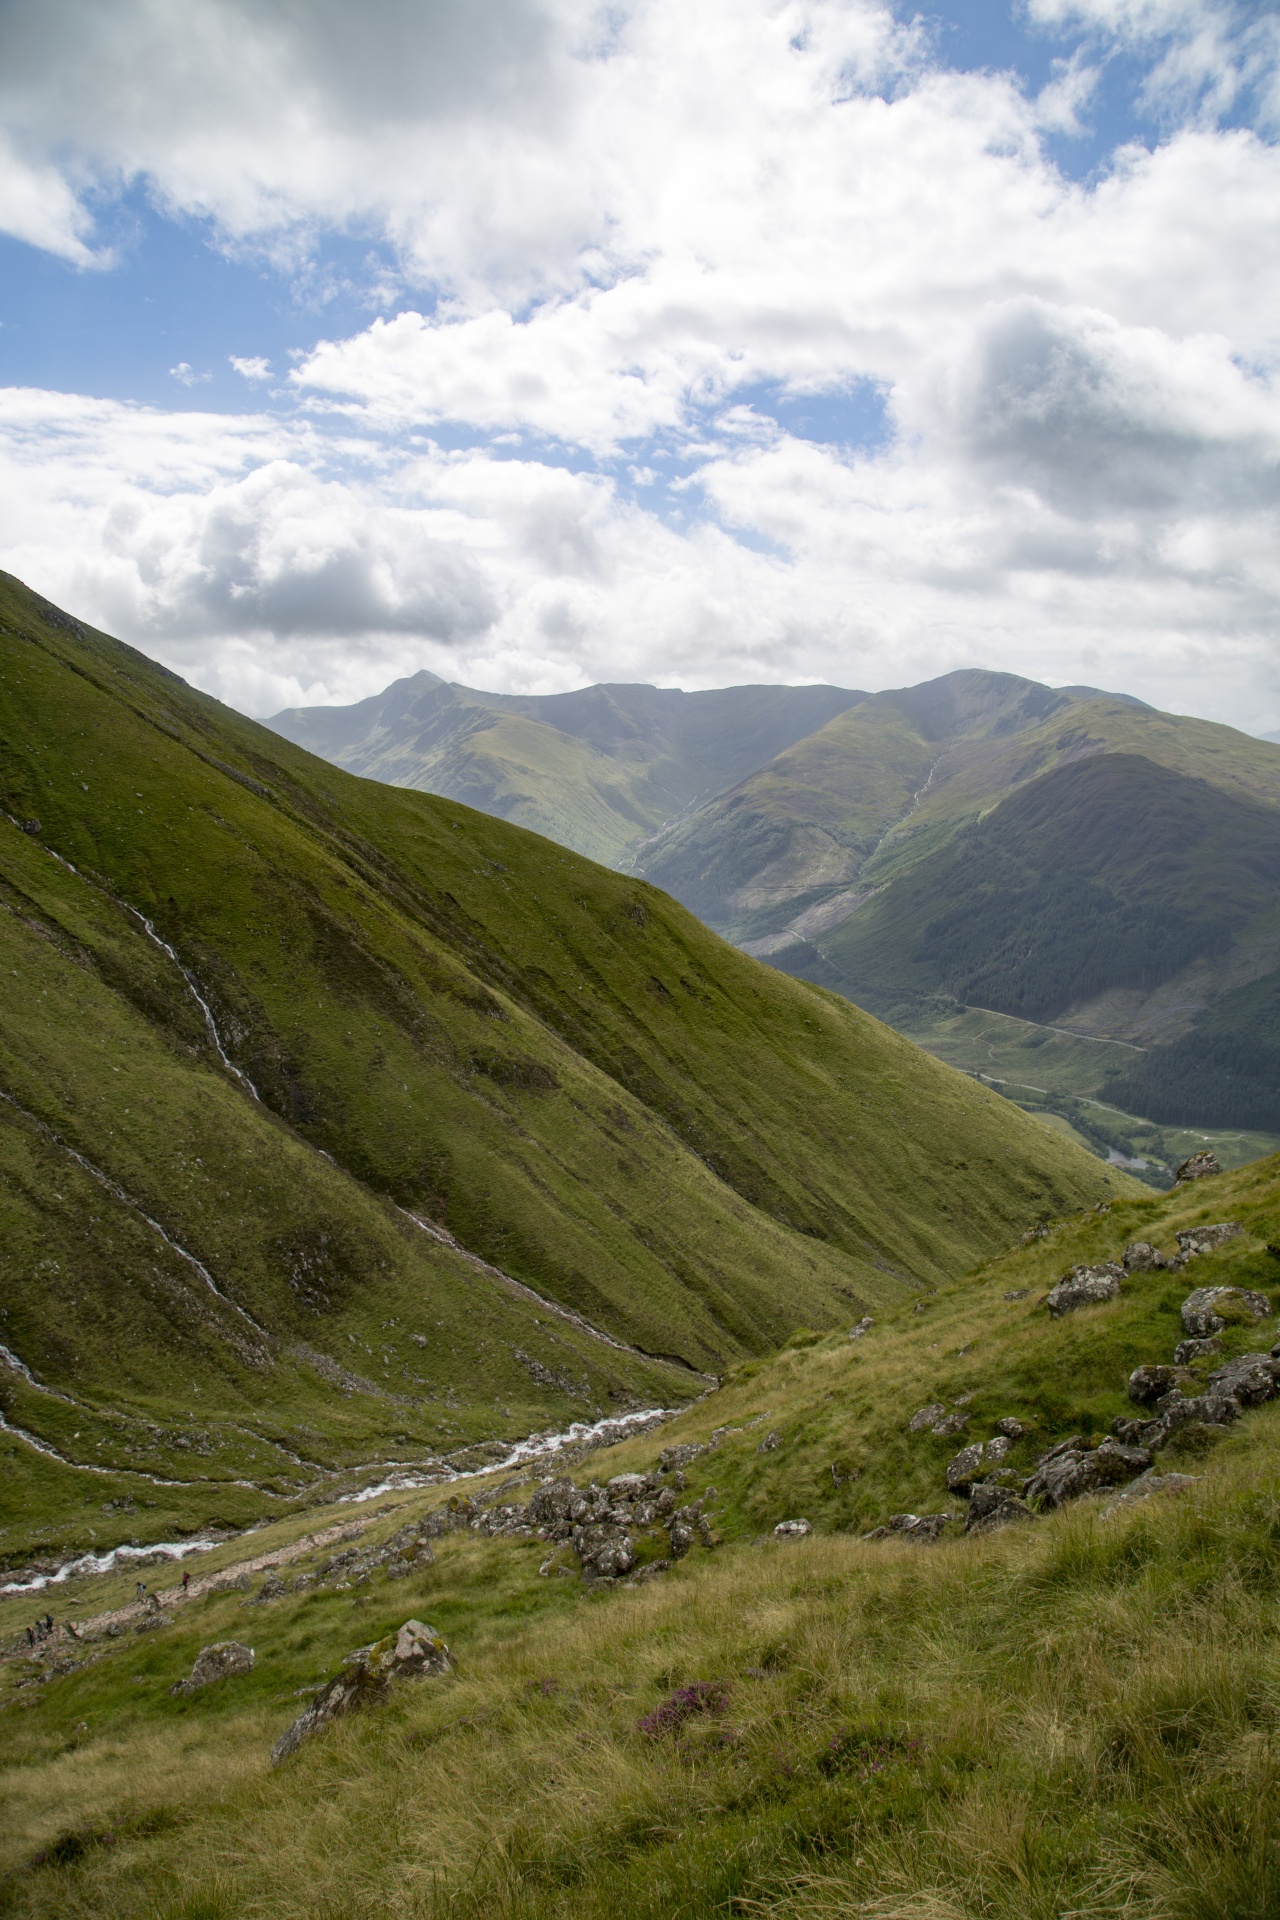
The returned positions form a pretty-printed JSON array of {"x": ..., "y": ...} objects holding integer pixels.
[
  {"x": 186, "y": 1580},
  {"x": 31, "y": 1638},
  {"x": 142, "y": 1591},
  {"x": 48, "y": 1623}
]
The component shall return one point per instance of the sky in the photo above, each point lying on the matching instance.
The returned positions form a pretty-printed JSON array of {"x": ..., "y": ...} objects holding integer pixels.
[{"x": 541, "y": 342}]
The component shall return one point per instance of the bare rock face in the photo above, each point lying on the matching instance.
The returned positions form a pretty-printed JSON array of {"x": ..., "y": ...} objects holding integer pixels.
[
  {"x": 925, "y": 1417},
  {"x": 1200, "y": 1166},
  {"x": 1141, "y": 1257},
  {"x": 922, "y": 1527},
  {"x": 1085, "y": 1287},
  {"x": 992, "y": 1506},
  {"x": 1207, "y": 1310},
  {"x": 1194, "y": 1240},
  {"x": 365, "y": 1680},
  {"x": 1146, "y": 1384},
  {"x": 964, "y": 1467},
  {"x": 218, "y": 1662}
]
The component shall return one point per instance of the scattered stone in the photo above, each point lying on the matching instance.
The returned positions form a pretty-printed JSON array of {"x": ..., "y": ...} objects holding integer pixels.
[
  {"x": 1188, "y": 1350},
  {"x": 1019, "y": 1293},
  {"x": 1147, "y": 1383},
  {"x": 365, "y": 1680},
  {"x": 1208, "y": 1309},
  {"x": 221, "y": 1661},
  {"x": 1153, "y": 1482},
  {"x": 1124, "y": 1454},
  {"x": 926, "y": 1417},
  {"x": 606, "y": 1551},
  {"x": 681, "y": 1456},
  {"x": 953, "y": 1424},
  {"x": 963, "y": 1469},
  {"x": 1035, "y": 1233},
  {"x": 996, "y": 1448},
  {"x": 1085, "y": 1287},
  {"x": 863, "y": 1326},
  {"x": 924, "y": 1527},
  {"x": 1150, "y": 1434},
  {"x": 1195, "y": 1240},
  {"x": 1012, "y": 1429},
  {"x": 1199, "y": 1166},
  {"x": 1141, "y": 1257},
  {"x": 770, "y": 1443},
  {"x": 991, "y": 1506},
  {"x": 792, "y": 1529}
]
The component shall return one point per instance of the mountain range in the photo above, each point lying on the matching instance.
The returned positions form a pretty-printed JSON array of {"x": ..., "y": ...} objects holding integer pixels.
[
  {"x": 342, "y": 1124},
  {"x": 1062, "y": 888}
]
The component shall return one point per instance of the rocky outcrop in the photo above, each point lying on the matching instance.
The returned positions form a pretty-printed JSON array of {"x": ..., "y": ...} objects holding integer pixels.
[
  {"x": 864, "y": 1326},
  {"x": 964, "y": 1468},
  {"x": 992, "y": 1506},
  {"x": 792, "y": 1529},
  {"x": 1196, "y": 1240},
  {"x": 1072, "y": 1468},
  {"x": 1207, "y": 1310},
  {"x": 1141, "y": 1257},
  {"x": 923, "y": 1527},
  {"x": 1199, "y": 1167},
  {"x": 366, "y": 1679},
  {"x": 1010, "y": 1428},
  {"x": 1085, "y": 1287},
  {"x": 222, "y": 1661},
  {"x": 1249, "y": 1379},
  {"x": 1147, "y": 1383},
  {"x": 1188, "y": 1350},
  {"x": 953, "y": 1423},
  {"x": 925, "y": 1417}
]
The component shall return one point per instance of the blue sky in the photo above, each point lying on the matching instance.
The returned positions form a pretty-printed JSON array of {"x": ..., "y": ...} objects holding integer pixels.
[{"x": 812, "y": 340}]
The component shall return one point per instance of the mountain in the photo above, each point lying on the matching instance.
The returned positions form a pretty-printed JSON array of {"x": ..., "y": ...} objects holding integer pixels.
[
  {"x": 598, "y": 770},
  {"x": 833, "y": 1682},
  {"x": 341, "y": 1124},
  {"x": 983, "y": 844}
]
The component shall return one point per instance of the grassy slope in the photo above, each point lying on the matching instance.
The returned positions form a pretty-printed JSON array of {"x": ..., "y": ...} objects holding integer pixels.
[
  {"x": 1069, "y": 1718},
  {"x": 557, "y": 1064}
]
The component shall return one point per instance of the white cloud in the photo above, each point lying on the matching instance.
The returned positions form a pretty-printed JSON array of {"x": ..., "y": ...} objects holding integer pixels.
[{"x": 626, "y": 232}]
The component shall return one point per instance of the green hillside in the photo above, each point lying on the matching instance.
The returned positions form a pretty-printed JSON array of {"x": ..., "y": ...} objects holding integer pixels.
[
  {"x": 1072, "y": 1715},
  {"x": 1069, "y": 859},
  {"x": 599, "y": 770},
  {"x": 272, "y": 1037}
]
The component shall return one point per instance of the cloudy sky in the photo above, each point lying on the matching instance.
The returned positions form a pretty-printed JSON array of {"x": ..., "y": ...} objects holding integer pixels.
[{"x": 540, "y": 342}]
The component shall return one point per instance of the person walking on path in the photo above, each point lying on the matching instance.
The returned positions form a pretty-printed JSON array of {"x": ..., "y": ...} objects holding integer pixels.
[
  {"x": 186, "y": 1580},
  {"x": 142, "y": 1591}
]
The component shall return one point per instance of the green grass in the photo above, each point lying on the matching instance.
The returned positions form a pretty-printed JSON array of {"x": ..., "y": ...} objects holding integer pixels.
[
  {"x": 443, "y": 1014},
  {"x": 1075, "y": 1717}
]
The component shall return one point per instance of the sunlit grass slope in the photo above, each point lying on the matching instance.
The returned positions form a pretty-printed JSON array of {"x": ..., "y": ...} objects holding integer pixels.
[
  {"x": 442, "y": 1015},
  {"x": 1071, "y": 1718}
]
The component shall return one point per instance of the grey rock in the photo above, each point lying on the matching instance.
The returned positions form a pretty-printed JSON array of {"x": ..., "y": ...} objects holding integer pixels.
[
  {"x": 1033, "y": 1234},
  {"x": 1201, "y": 1313},
  {"x": 922, "y": 1527},
  {"x": 682, "y": 1538},
  {"x": 681, "y": 1456},
  {"x": 1188, "y": 1350},
  {"x": 925, "y": 1417},
  {"x": 1012, "y": 1429},
  {"x": 222, "y": 1661},
  {"x": 963, "y": 1469},
  {"x": 1210, "y": 1409},
  {"x": 996, "y": 1448},
  {"x": 552, "y": 1502},
  {"x": 1197, "y": 1240},
  {"x": 365, "y": 1680},
  {"x": 770, "y": 1443},
  {"x": 1085, "y": 1287},
  {"x": 864, "y": 1326},
  {"x": 1141, "y": 1257},
  {"x": 1075, "y": 1443},
  {"x": 1123, "y": 1458},
  {"x": 627, "y": 1486},
  {"x": 992, "y": 1506},
  {"x": 1199, "y": 1166},
  {"x": 605, "y": 1550},
  {"x": 1065, "y": 1477},
  {"x": 1154, "y": 1483},
  {"x": 792, "y": 1529},
  {"x": 1147, "y": 1383},
  {"x": 954, "y": 1423},
  {"x": 1249, "y": 1379},
  {"x": 1019, "y": 1293}
]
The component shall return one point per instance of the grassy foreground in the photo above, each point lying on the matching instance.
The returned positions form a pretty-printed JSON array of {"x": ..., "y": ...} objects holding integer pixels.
[{"x": 1073, "y": 1718}]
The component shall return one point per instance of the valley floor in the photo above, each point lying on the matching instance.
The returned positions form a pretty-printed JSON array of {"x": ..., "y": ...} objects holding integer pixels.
[{"x": 1076, "y": 1716}]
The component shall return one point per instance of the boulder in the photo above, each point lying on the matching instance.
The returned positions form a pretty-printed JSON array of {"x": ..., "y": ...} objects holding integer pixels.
[
  {"x": 1085, "y": 1287},
  {"x": 1195, "y": 1240},
  {"x": 1188, "y": 1350},
  {"x": 925, "y": 1417},
  {"x": 365, "y": 1679},
  {"x": 963, "y": 1469},
  {"x": 222, "y": 1661},
  {"x": 792, "y": 1529},
  {"x": 552, "y": 1501},
  {"x": 1249, "y": 1379},
  {"x": 1121, "y": 1459},
  {"x": 1154, "y": 1483},
  {"x": 864, "y": 1326},
  {"x": 1071, "y": 1469},
  {"x": 996, "y": 1448},
  {"x": 1207, "y": 1310},
  {"x": 1147, "y": 1383},
  {"x": 1141, "y": 1257},
  {"x": 952, "y": 1424},
  {"x": 1034, "y": 1233},
  {"x": 770, "y": 1443},
  {"x": 992, "y": 1506},
  {"x": 681, "y": 1456},
  {"x": 1011, "y": 1429},
  {"x": 627, "y": 1486},
  {"x": 1199, "y": 1166},
  {"x": 923, "y": 1527},
  {"x": 1210, "y": 1409},
  {"x": 604, "y": 1549}
]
